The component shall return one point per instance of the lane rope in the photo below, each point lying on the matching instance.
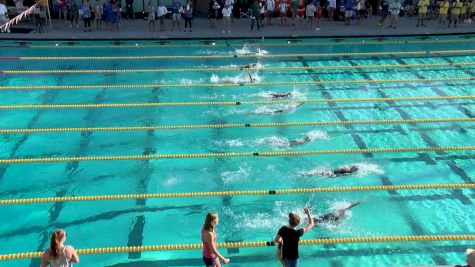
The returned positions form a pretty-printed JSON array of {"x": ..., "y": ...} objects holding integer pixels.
[
  {"x": 267, "y": 44},
  {"x": 234, "y": 193},
  {"x": 234, "y": 103},
  {"x": 235, "y": 154},
  {"x": 156, "y": 86},
  {"x": 231, "y": 125},
  {"x": 382, "y": 66},
  {"x": 345, "y": 240},
  {"x": 253, "y": 55}
]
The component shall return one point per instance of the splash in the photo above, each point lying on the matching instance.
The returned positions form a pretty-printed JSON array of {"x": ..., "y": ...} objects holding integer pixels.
[
  {"x": 236, "y": 176},
  {"x": 229, "y": 143},
  {"x": 294, "y": 94},
  {"x": 274, "y": 141},
  {"x": 270, "y": 110},
  {"x": 171, "y": 181},
  {"x": 318, "y": 135},
  {"x": 365, "y": 168},
  {"x": 241, "y": 78},
  {"x": 319, "y": 171}
]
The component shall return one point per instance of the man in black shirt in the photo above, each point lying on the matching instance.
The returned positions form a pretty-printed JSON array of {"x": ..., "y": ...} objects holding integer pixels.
[
  {"x": 288, "y": 239},
  {"x": 384, "y": 13}
]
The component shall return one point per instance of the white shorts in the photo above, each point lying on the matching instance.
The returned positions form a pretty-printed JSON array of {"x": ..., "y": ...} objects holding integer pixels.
[
  {"x": 348, "y": 13},
  {"x": 176, "y": 16}
]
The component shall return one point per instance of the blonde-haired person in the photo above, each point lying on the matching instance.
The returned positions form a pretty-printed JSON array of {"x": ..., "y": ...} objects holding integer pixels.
[
  {"x": 59, "y": 254},
  {"x": 288, "y": 238},
  {"x": 211, "y": 255}
]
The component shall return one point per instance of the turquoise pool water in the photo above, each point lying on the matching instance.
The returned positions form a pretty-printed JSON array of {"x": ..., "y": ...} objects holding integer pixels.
[{"x": 94, "y": 224}]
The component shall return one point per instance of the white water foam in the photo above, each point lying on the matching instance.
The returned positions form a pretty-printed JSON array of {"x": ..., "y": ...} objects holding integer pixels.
[
  {"x": 236, "y": 176},
  {"x": 317, "y": 135},
  {"x": 171, "y": 181},
  {"x": 364, "y": 169},
  {"x": 229, "y": 143},
  {"x": 240, "y": 78},
  {"x": 271, "y": 110},
  {"x": 274, "y": 141}
]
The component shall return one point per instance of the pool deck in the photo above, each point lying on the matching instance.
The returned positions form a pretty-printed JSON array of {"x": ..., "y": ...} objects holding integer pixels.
[{"x": 138, "y": 29}]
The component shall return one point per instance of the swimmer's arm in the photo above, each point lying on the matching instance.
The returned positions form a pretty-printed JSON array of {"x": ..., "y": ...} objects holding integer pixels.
[
  {"x": 72, "y": 254},
  {"x": 45, "y": 259},
  {"x": 212, "y": 245},
  {"x": 278, "y": 239},
  {"x": 310, "y": 223}
]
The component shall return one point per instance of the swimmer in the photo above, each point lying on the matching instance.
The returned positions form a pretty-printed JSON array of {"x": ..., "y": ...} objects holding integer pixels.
[
  {"x": 248, "y": 66},
  {"x": 280, "y": 95},
  {"x": 345, "y": 170},
  {"x": 251, "y": 79},
  {"x": 334, "y": 217},
  {"x": 300, "y": 141},
  {"x": 287, "y": 109}
]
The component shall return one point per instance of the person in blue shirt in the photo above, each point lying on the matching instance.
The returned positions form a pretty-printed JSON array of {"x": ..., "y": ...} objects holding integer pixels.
[
  {"x": 176, "y": 15},
  {"x": 348, "y": 10}
]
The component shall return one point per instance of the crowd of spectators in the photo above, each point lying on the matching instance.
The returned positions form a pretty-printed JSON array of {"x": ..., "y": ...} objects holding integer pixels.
[{"x": 300, "y": 14}]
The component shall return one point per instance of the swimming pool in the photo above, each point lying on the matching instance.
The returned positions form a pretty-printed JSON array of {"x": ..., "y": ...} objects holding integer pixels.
[{"x": 132, "y": 72}]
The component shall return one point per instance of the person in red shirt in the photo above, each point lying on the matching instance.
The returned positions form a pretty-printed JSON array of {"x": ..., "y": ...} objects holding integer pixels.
[{"x": 300, "y": 14}]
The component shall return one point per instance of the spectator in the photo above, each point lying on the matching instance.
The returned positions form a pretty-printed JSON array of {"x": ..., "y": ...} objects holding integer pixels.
[
  {"x": 384, "y": 12},
  {"x": 318, "y": 15},
  {"x": 227, "y": 11},
  {"x": 472, "y": 11},
  {"x": 283, "y": 12},
  {"x": 211, "y": 255},
  {"x": 176, "y": 15},
  {"x": 470, "y": 258},
  {"x": 463, "y": 12},
  {"x": 188, "y": 14},
  {"x": 4, "y": 15},
  {"x": 455, "y": 13},
  {"x": 62, "y": 9},
  {"x": 394, "y": 8},
  {"x": 114, "y": 16},
  {"x": 151, "y": 16},
  {"x": 422, "y": 5},
  {"x": 288, "y": 239},
  {"x": 360, "y": 11},
  {"x": 161, "y": 12},
  {"x": 86, "y": 16},
  {"x": 230, "y": 3},
  {"x": 270, "y": 11},
  {"x": 293, "y": 10},
  {"x": 255, "y": 16},
  {"x": 73, "y": 11},
  {"x": 97, "y": 9},
  {"x": 262, "y": 11},
  {"x": 213, "y": 8},
  {"x": 310, "y": 14},
  {"x": 129, "y": 8},
  {"x": 58, "y": 253},
  {"x": 331, "y": 9},
  {"x": 300, "y": 14},
  {"x": 107, "y": 14},
  {"x": 443, "y": 10},
  {"x": 348, "y": 11}
]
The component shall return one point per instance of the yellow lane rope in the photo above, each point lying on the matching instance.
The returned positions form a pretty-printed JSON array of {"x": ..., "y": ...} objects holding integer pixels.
[
  {"x": 382, "y": 66},
  {"x": 380, "y": 239},
  {"x": 234, "y": 103},
  {"x": 236, "y": 154},
  {"x": 388, "y": 53},
  {"x": 235, "y": 193},
  {"x": 233, "y": 125},
  {"x": 256, "y": 43},
  {"x": 148, "y": 86}
]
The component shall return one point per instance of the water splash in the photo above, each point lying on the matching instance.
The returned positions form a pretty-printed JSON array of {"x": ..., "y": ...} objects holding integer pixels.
[
  {"x": 364, "y": 169},
  {"x": 240, "y": 78},
  {"x": 274, "y": 141},
  {"x": 276, "y": 109},
  {"x": 317, "y": 135},
  {"x": 236, "y": 176},
  {"x": 171, "y": 181},
  {"x": 229, "y": 143}
]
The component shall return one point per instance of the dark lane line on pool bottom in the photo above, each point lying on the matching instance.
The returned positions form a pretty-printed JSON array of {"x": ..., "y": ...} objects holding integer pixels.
[{"x": 71, "y": 169}]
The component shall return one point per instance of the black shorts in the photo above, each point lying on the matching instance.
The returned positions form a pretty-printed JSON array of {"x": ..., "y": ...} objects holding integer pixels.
[
  {"x": 209, "y": 261},
  {"x": 211, "y": 16},
  {"x": 362, "y": 12}
]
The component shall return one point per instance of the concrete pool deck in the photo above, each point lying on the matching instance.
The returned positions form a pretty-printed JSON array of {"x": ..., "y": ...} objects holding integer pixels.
[{"x": 138, "y": 29}]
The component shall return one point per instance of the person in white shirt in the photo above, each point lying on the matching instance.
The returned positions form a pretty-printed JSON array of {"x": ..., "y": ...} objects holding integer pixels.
[
  {"x": 4, "y": 16},
  {"x": 310, "y": 14},
  {"x": 270, "y": 10},
  {"x": 226, "y": 19},
  {"x": 161, "y": 12},
  {"x": 283, "y": 13},
  {"x": 230, "y": 3},
  {"x": 331, "y": 9}
]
